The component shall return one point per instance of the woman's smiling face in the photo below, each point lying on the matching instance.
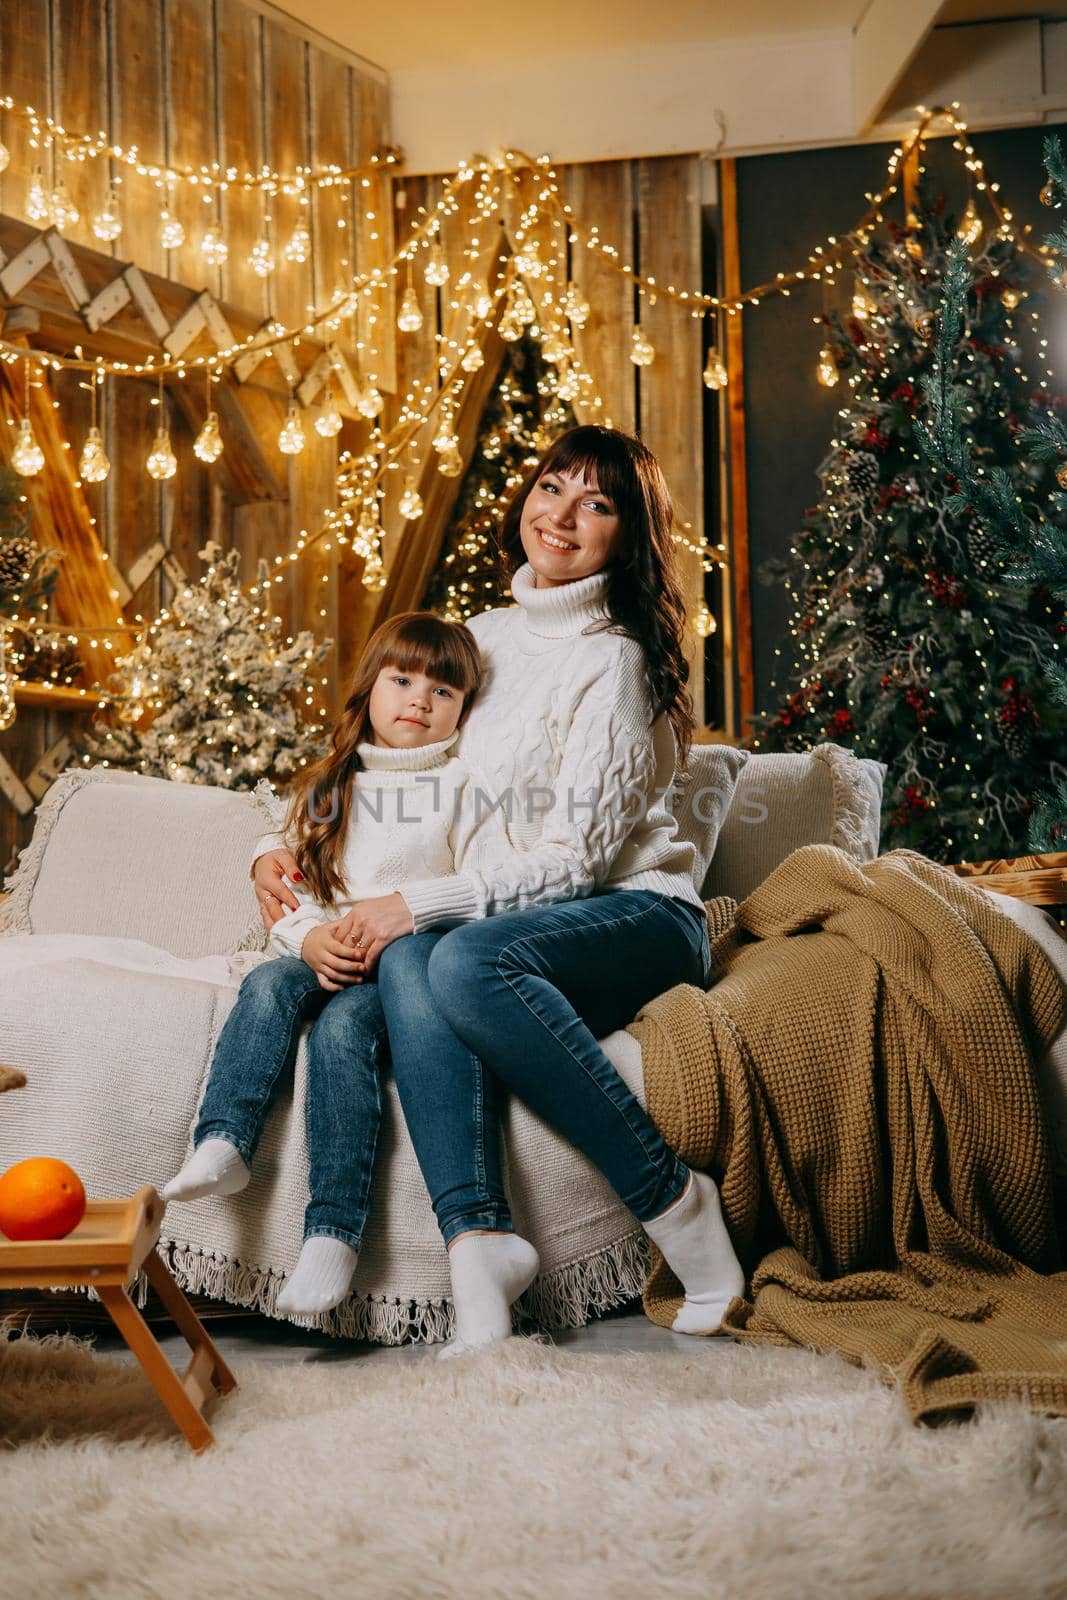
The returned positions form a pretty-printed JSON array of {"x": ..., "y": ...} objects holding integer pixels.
[{"x": 569, "y": 530}]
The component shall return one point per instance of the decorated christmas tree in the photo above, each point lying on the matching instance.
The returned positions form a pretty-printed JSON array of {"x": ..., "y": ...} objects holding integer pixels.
[
  {"x": 521, "y": 418},
  {"x": 221, "y": 686},
  {"x": 27, "y": 573},
  {"x": 913, "y": 643}
]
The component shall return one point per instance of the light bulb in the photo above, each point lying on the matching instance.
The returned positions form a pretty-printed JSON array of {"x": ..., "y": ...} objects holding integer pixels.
[
  {"x": 171, "y": 232},
  {"x": 436, "y": 268},
  {"x": 410, "y": 501},
  {"x": 94, "y": 465},
  {"x": 1009, "y": 298},
  {"x": 554, "y": 348},
  {"x": 207, "y": 446},
  {"x": 370, "y": 401},
  {"x": 970, "y": 228},
  {"x": 715, "y": 374},
  {"x": 106, "y": 223},
  {"x": 473, "y": 360},
  {"x": 37, "y": 197},
  {"x": 373, "y": 571},
  {"x": 864, "y": 304},
  {"x": 510, "y": 327},
  {"x": 522, "y": 306},
  {"x": 528, "y": 259},
  {"x": 642, "y": 353},
  {"x": 704, "y": 623},
  {"x": 568, "y": 388},
  {"x": 27, "y": 457},
  {"x": 8, "y": 709},
  {"x": 161, "y": 463},
  {"x": 291, "y": 437},
  {"x": 576, "y": 306},
  {"x": 62, "y": 210},
  {"x": 445, "y": 437},
  {"x": 481, "y": 301},
  {"x": 260, "y": 258},
  {"x": 5, "y": 156},
  {"x": 826, "y": 371},
  {"x": 409, "y": 317},
  {"x": 450, "y": 464},
  {"x": 329, "y": 420},
  {"x": 213, "y": 247},
  {"x": 299, "y": 246}
]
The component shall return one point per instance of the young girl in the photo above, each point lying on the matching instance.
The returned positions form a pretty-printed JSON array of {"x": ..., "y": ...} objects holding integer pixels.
[{"x": 388, "y": 802}]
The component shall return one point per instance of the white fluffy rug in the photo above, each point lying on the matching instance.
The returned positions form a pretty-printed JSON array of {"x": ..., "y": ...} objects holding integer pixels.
[{"x": 532, "y": 1472}]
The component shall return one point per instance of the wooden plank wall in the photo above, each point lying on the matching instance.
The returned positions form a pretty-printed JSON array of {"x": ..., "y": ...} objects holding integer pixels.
[{"x": 192, "y": 82}]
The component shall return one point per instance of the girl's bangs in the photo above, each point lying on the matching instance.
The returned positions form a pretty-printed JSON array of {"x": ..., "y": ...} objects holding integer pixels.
[{"x": 446, "y": 662}]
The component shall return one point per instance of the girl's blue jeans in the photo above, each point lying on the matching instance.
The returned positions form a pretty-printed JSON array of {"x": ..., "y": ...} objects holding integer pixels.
[
  {"x": 343, "y": 1108},
  {"x": 520, "y": 1000}
]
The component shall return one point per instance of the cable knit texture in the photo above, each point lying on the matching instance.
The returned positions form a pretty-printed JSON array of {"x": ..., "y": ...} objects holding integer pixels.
[
  {"x": 859, "y": 1079},
  {"x": 563, "y": 740},
  {"x": 413, "y": 812}
]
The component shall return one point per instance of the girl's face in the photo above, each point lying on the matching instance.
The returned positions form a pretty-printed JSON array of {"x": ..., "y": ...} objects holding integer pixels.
[
  {"x": 569, "y": 530},
  {"x": 409, "y": 709}
]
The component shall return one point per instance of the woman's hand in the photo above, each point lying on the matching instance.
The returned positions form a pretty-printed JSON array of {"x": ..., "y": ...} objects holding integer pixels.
[
  {"x": 333, "y": 961},
  {"x": 372, "y": 926},
  {"x": 274, "y": 896}
]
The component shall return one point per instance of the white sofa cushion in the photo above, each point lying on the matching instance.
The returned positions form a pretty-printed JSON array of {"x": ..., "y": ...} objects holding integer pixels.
[
  {"x": 822, "y": 796},
  {"x": 125, "y": 856},
  {"x": 703, "y": 793}
]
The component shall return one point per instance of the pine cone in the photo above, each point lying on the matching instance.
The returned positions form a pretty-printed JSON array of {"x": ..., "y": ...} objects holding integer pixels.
[
  {"x": 862, "y": 472},
  {"x": 17, "y": 556},
  {"x": 980, "y": 545},
  {"x": 47, "y": 657},
  {"x": 1017, "y": 737}
]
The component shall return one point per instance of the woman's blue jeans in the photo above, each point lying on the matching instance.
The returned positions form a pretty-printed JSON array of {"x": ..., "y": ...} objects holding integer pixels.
[
  {"x": 520, "y": 1000},
  {"x": 344, "y": 1106}
]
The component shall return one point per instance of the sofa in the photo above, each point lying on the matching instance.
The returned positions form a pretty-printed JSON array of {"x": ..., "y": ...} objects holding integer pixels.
[{"x": 128, "y": 925}]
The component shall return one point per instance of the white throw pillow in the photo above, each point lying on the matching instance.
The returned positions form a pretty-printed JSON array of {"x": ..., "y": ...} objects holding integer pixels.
[{"x": 702, "y": 796}]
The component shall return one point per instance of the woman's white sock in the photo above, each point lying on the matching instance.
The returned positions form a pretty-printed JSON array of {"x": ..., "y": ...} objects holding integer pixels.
[
  {"x": 489, "y": 1273},
  {"x": 692, "y": 1238},
  {"x": 215, "y": 1167},
  {"x": 321, "y": 1278}
]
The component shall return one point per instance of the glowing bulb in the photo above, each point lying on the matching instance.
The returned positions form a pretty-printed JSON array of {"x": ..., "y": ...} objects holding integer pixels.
[
  {"x": 576, "y": 306},
  {"x": 510, "y": 327},
  {"x": 642, "y": 354},
  {"x": 410, "y": 501},
  {"x": 37, "y": 197},
  {"x": 409, "y": 317},
  {"x": 445, "y": 437},
  {"x": 94, "y": 465},
  {"x": 64, "y": 213},
  {"x": 373, "y": 571},
  {"x": 1009, "y": 298},
  {"x": 106, "y": 223},
  {"x": 528, "y": 259},
  {"x": 299, "y": 246},
  {"x": 27, "y": 457},
  {"x": 260, "y": 258},
  {"x": 451, "y": 463},
  {"x": 704, "y": 623},
  {"x": 329, "y": 420},
  {"x": 522, "y": 306},
  {"x": 436, "y": 268},
  {"x": 826, "y": 371},
  {"x": 171, "y": 232},
  {"x": 569, "y": 386},
  {"x": 161, "y": 462},
  {"x": 8, "y": 710},
  {"x": 715, "y": 374},
  {"x": 5, "y": 156},
  {"x": 481, "y": 300},
  {"x": 207, "y": 446},
  {"x": 864, "y": 304},
  {"x": 370, "y": 401},
  {"x": 213, "y": 247},
  {"x": 554, "y": 348},
  {"x": 291, "y": 437},
  {"x": 970, "y": 228},
  {"x": 473, "y": 359}
]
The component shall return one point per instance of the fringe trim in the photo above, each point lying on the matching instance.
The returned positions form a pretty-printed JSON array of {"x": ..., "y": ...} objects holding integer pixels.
[
  {"x": 855, "y": 821},
  {"x": 568, "y": 1296},
  {"x": 15, "y": 916}
]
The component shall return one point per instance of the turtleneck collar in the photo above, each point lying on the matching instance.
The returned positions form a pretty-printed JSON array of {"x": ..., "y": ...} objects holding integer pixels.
[
  {"x": 563, "y": 610},
  {"x": 382, "y": 758}
]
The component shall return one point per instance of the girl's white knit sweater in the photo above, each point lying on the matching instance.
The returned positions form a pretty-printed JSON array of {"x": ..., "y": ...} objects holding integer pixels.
[
  {"x": 563, "y": 737},
  {"x": 412, "y": 816}
]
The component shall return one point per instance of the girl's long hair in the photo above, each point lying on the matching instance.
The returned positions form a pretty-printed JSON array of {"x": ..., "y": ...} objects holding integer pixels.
[
  {"x": 321, "y": 803},
  {"x": 644, "y": 594}
]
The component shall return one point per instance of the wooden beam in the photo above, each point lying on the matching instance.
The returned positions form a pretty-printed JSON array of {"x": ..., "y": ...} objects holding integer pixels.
[
  {"x": 887, "y": 40},
  {"x": 737, "y": 541}
]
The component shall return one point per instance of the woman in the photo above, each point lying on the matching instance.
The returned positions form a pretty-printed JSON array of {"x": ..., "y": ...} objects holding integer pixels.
[{"x": 593, "y": 915}]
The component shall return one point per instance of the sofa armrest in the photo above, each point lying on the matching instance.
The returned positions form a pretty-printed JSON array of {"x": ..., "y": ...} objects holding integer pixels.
[{"x": 1041, "y": 880}]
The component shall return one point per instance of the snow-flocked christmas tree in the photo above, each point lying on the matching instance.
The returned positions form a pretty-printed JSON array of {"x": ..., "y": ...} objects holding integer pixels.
[
  {"x": 222, "y": 687},
  {"x": 912, "y": 644}
]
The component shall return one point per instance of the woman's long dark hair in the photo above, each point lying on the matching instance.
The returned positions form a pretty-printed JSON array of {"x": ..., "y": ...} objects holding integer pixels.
[
  {"x": 321, "y": 803},
  {"x": 644, "y": 595}
]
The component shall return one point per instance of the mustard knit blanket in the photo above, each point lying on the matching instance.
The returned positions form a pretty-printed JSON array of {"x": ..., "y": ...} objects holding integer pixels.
[{"x": 859, "y": 1079}]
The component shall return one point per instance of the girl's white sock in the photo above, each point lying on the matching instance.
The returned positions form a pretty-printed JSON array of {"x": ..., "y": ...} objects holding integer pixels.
[
  {"x": 691, "y": 1235},
  {"x": 215, "y": 1167},
  {"x": 489, "y": 1273},
  {"x": 321, "y": 1278}
]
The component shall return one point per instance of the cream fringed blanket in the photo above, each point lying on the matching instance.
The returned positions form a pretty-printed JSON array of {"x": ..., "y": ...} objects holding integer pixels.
[{"x": 860, "y": 1081}]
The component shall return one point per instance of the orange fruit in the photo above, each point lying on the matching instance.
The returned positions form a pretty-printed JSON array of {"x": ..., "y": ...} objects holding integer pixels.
[{"x": 40, "y": 1198}]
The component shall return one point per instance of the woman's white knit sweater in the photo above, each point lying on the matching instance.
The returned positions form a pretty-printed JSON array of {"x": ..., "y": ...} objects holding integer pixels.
[
  {"x": 562, "y": 734},
  {"x": 412, "y": 815}
]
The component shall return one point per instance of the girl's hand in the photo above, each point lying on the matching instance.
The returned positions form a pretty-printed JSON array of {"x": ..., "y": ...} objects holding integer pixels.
[
  {"x": 372, "y": 926},
  {"x": 334, "y": 962},
  {"x": 274, "y": 896}
]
